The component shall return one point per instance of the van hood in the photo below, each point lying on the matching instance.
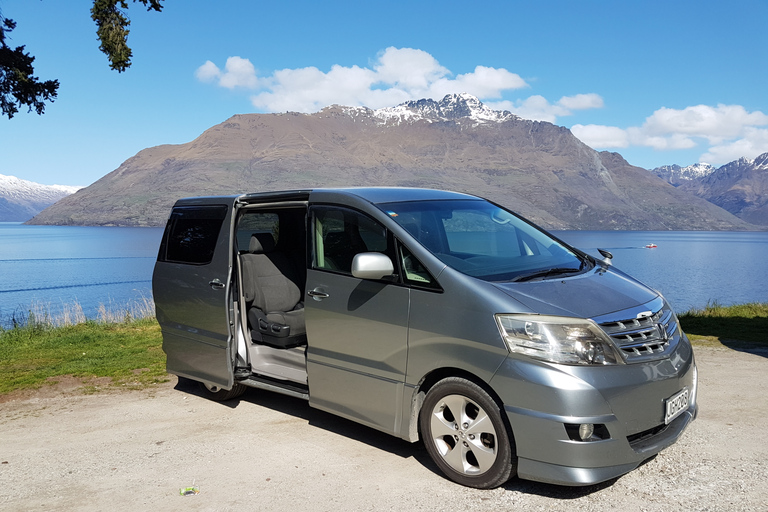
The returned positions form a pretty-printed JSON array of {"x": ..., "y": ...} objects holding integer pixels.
[{"x": 597, "y": 292}]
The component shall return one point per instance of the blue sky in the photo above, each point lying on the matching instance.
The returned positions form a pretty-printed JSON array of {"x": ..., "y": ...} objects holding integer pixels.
[{"x": 672, "y": 82}]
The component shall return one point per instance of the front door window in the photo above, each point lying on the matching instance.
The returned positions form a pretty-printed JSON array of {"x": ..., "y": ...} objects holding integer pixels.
[{"x": 341, "y": 233}]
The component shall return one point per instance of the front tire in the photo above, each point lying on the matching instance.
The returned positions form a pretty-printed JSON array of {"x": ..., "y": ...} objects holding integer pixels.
[
  {"x": 465, "y": 435},
  {"x": 220, "y": 394}
]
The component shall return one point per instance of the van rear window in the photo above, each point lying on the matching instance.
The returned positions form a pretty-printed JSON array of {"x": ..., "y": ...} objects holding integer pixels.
[{"x": 191, "y": 234}]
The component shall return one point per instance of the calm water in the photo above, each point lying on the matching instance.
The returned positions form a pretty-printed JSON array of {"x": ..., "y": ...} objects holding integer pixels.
[
  {"x": 55, "y": 265},
  {"x": 690, "y": 268}
]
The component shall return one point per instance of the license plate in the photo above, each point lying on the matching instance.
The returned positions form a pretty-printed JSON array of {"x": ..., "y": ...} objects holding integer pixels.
[{"x": 676, "y": 405}]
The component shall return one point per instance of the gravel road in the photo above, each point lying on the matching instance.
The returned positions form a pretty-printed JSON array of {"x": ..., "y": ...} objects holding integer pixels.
[{"x": 61, "y": 449}]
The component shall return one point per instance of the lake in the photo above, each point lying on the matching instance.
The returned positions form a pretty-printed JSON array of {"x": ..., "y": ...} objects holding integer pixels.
[
  {"x": 57, "y": 265},
  {"x": 53, "y": 266},
  {"x": 690, "y": 268}
]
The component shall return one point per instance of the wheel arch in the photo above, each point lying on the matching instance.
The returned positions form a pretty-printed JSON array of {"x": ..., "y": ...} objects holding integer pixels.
[{"x": 428, "y": 382}]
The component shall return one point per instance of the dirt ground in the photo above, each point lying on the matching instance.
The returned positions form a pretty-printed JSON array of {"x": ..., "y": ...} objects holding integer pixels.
[{"x": 62, "y": 449}]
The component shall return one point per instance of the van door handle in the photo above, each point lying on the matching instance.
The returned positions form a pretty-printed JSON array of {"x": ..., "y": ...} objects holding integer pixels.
[
  {"x": 317, "y": 294},
  {"x": 216, "y": 284}
]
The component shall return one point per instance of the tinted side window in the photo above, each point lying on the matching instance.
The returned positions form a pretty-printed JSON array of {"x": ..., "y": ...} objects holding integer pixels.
[
  {"x": 340, "y": 234},
  {"x": 414, "y": 273},
  {"x": 191, "y": 234}
]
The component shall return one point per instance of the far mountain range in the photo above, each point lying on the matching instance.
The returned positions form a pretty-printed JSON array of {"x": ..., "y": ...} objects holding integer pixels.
[
  {"x": 20, "y": 200},
  {"x": 740, "y": 187},
  {"x": 535, "y": 168}
]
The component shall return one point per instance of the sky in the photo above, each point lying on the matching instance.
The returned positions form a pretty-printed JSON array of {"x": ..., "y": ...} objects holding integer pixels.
[{"x": 660, "y": 82}]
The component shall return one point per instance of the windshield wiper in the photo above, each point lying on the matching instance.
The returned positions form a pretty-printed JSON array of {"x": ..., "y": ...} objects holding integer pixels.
[{"x": 546, "y": 273}]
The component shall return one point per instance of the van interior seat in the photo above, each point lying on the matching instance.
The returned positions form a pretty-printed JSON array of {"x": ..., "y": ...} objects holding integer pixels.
[{"x": 273, "y": 293}]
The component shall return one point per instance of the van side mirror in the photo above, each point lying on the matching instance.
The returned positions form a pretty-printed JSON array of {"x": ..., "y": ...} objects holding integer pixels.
[{"x": 372, "y": 265}]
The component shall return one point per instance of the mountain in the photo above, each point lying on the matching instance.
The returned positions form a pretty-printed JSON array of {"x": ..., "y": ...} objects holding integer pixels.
[
  {"x": 20, "y": 200},
  {"x": 453, "y": 107},
  {"x": 740, "y": 187},
  {"x": 676, "y": 175},
  {"x": 535, "y": 168}
]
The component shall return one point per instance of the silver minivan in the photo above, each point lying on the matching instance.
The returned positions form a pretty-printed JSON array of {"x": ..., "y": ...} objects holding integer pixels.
[{"x": 429, "y": 315}]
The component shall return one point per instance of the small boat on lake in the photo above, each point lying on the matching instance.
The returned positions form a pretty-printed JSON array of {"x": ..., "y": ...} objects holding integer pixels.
[{"x": 651, "y": 246}]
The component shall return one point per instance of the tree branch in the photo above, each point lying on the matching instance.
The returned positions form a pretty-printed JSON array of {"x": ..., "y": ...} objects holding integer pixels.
[
  {"x": 112, "y": 29},
  {"x": 18, "y": 85}
]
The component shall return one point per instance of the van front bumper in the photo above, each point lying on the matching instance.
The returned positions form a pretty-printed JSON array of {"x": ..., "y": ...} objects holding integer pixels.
[
  {"x": 625, "y": 402},
  {"x": 586, "y": 457}
]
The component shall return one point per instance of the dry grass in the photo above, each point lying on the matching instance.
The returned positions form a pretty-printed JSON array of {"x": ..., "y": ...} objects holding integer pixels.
[{"x": 39, "y": 315}]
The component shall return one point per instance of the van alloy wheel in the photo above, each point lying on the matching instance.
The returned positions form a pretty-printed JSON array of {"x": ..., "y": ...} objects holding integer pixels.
[{"x": 465, "y": 435}]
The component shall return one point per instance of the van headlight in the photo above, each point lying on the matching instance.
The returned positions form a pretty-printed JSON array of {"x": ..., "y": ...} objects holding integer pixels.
[{"x": 557, "y": 339}]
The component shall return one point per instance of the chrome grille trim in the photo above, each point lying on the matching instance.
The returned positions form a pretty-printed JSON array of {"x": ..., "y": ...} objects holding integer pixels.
[{"x": 652, "y": 336}]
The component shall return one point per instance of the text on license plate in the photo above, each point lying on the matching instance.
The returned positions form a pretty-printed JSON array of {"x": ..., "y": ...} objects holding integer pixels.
[{"x": 675, "y": 405}]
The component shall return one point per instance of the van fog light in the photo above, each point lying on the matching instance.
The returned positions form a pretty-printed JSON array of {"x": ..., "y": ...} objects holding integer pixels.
[{"x": 586, "y": 432}]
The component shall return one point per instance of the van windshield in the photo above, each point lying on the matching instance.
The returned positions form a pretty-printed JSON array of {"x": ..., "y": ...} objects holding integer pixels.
[{"x": 484, "y": 241}]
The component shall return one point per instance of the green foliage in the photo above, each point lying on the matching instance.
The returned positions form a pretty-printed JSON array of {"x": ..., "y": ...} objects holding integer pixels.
[
  {"x": 738, "y": 323},
  {"x": 112, "y": 29},
  {"x": 18, "y": 85},
  {"x": 130, "y": 354}
]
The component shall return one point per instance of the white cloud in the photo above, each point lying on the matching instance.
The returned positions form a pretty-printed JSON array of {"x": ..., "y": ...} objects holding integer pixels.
[
  {"x": 754, "y": 143},
  {"x": 238, "y": 72},
  {"x": 713, "y": 123},
  {"x": 408, "y": 69},
  {"x": 581, "y": 101},
  {"x": 601, "y": 136},
  {"x": 397, "y": 75},
  {"x": 309, "y": 89},
  {"x": 539, "y": 108},
  {"x": 208, "y": 72},
  {"x": 728, "y": 131},
  {"x": 487, "y": 82}
]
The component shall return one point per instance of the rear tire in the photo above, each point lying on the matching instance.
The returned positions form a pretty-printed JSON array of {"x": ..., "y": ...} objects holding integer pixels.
[
  {"x": 464, "y": 433},
  {"x": 220, "y": 394}
]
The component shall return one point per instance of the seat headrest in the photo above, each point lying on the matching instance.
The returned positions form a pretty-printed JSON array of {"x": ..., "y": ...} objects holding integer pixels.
[{"x": 261, "y": 243}]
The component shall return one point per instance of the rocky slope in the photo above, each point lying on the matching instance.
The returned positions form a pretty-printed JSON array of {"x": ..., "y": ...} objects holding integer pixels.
[
  {"x": 740, "y": 187},
  {"x": 536, "y": 168},
  {"x": 20, "y": 200}
]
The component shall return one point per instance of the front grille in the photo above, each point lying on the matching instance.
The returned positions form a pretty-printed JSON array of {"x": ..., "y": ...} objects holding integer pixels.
[{"x": 646, "y": 336}]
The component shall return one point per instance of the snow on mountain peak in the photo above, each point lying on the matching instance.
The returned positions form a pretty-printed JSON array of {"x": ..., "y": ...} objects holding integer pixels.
[
  {"x": 675, "y": 174},
  {"x": 23, "y": 199},
  {"x": 11, "y": 186},
  {"x": 453, "y": 107}
]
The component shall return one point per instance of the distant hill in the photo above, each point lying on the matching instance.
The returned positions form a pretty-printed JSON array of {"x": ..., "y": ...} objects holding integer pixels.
[
  {"x": 20, "y": 200},
  {"x": 740, "y": 187},
  {"x": 536, "y": 168}
]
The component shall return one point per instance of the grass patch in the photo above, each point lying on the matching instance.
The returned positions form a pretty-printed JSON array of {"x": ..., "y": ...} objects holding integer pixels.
[
  {"x": 741, "y": 325},
  {"x": 129, "y": 353},
  {"x": 127, "y": 349}
]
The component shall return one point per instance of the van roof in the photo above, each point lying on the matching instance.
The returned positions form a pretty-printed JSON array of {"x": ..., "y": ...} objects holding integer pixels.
[
  {"x": 379, "y": 195},
  {"x": 375, "y": 195}
]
